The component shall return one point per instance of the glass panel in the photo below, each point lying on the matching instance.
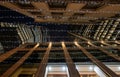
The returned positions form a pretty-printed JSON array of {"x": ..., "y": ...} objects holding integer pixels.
[
  {"x": 56, "y": 56},
  {"x": 6, "y": 64},
  {"x": 102, "y": 56},
  {"x": 78, "y": 56},
  {"x": 31, "y": 64}
]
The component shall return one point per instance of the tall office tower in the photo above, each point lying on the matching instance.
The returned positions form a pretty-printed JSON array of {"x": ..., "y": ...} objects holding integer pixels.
[{"x": 59, "y": 38}]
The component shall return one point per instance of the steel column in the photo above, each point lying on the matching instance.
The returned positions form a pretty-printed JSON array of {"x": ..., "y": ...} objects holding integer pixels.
[
  {"x": 70, "y": 64},
  {"x": 104, "y": 68},
  {"x": 18, "y": 63},
  {"x": 42, "y": 67}
]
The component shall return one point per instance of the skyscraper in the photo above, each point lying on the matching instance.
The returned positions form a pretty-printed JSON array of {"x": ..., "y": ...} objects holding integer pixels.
[{"x": 59, "y": 38}]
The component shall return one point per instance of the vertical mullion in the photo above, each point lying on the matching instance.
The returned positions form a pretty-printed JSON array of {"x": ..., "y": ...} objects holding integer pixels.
[
  {"x": 110, "y": 45},
  {"x": 42, "y": 67},
  {"x": 83, "y": 38},
  {"x": 8, "y": 54},
  {"x": 19, "y": 62},
  {"x": 105, "y": 51},
  {"x": 71, "y": 66},
  {"x": 105, "y": 69}
]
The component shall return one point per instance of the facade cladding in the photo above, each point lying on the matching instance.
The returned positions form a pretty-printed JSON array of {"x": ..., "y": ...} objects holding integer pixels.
[{"x": 60, "y": 38}]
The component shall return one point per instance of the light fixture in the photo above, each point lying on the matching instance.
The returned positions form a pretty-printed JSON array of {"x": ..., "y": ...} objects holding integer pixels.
[
  {"x": 89, "y": 42},
  {"x": 49, "y": 68},
  {"x": 102, "y": 41},
  {"x": 119, "y": 68},
  {"x": 63, "y": 68},
  {"x": 90, "y": 68},
  {"x": 75, "y": 42}
]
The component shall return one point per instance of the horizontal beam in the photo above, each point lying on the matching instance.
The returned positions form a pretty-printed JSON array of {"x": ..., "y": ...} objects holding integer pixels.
[{"x": 66, "y": 1}]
